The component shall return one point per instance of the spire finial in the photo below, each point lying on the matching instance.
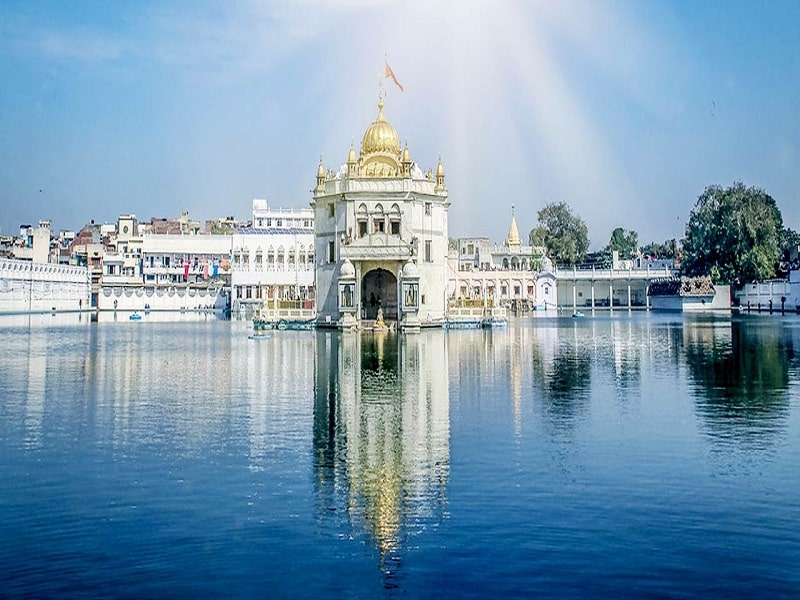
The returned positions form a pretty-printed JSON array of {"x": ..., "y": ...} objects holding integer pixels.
[{"x": 381, "y": 92}]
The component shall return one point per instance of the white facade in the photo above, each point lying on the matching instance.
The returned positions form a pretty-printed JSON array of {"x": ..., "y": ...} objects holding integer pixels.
[
  {"x": 380, "y": 230},
  {"x": 774, "y": 296},
  {"x": 274, "y": 259},
  {"x": 507, "y": 274},
  {"x": 30, "y": 287},
  {"x": 718, "y": 302},
  {"x": 265, "y": 217},
  {"x": 36, "y": 243},
  {"x": 174, "y": 272},
  {"x": 176, "y": 259}
]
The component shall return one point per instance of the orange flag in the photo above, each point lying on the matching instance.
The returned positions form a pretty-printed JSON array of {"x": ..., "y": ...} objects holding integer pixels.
[{"x": 390, "y": 75}]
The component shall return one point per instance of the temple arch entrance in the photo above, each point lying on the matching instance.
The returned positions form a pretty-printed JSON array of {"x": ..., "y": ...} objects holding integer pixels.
[{"x": 379, "y": 290}]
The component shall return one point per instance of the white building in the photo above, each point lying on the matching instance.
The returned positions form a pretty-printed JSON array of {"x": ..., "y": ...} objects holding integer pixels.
[
  {"x": 164, "y": 271},
  {"x": 31, "y": 282},
  {"x": 380, "y": 231},
  {"x": 274, "y": 259},
  {"x": 35, "y": 243},
  {"x": 771, "y": 296},
  {"x": 31, "y": 287},
  {"x": 507, "y": 274}
]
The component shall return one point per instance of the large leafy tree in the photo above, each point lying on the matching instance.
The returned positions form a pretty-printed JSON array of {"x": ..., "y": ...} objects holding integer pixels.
[
  {"x": 563, "y": 234},
  {"x": 626, "y": 243},
  {"x": 733, "y": 235}
]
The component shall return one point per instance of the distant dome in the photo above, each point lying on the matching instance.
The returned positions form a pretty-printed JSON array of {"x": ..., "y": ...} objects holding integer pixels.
[
  {"x": 347, "y": 270},
  {"x": 410, "y": 270},
  {"x": 380, "y": 136}
]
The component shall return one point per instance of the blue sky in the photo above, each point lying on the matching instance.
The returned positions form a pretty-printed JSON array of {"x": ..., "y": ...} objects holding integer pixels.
[{"x": 626, "y": 111}]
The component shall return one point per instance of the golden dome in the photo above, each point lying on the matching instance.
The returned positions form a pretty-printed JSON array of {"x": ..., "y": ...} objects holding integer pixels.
[
  {"x": 320, "y": 169},
  {"x": 351, "y": 156},
  {"x": 380, "y": 136},
  {"x": 440, "y": 168}
]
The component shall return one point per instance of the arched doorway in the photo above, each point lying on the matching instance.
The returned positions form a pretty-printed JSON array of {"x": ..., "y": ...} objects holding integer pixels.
[{"x": 379, "y": 290}]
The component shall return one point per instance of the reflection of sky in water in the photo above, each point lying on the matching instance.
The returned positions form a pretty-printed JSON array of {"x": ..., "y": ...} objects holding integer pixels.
[{"x": 610, "y": 452}]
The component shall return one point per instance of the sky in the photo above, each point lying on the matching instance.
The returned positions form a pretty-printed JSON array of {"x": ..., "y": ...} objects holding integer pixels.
[{"x": 626, "y": 111}]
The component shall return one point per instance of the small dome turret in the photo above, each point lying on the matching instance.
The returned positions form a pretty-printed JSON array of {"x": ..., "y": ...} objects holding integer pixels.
[
  {"x": 410, "y": 270},
  {"x": 348, "y": 271},
  {"x": 439, "y": 176},
  {"x": 320, "y": 177}
]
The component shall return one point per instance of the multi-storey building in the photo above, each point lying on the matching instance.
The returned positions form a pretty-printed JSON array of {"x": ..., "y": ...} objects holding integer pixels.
[
  {"x": 509, "y": 273},
  {"x": 273, "y": 261},
  {"x": 165, "y": 265}
]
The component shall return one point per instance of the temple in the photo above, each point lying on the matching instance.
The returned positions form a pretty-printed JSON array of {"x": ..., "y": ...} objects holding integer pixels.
[{"x": 380, "y": 236}]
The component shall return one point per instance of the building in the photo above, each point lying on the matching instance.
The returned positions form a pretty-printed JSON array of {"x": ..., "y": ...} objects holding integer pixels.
[
  {"x": 771, "y": 296},
  {"x": 508, "y": 274},
  {"x": 625, "y": 284},
  {"x": 34, "y": 281},
  {"x": 170, "y": 266},
  {"x": 689, "y": 295},
  {"x": 273, "y": 261},
  {"x": 380, "y": 235}
]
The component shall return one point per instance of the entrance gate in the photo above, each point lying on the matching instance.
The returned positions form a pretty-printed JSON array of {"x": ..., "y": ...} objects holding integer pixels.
[{"x": 379, "y": 290}]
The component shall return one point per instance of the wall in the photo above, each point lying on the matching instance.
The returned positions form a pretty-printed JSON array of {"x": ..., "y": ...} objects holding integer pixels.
[{"x": 27, "y": 287}]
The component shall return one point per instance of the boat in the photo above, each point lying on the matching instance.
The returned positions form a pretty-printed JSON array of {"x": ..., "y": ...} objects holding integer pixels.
[
  {"x": 578, "y": 315},
  {"x": 135, "y": 317},
  {"x": 462, "y": 323},
  {"x": 259, "y": 336}
]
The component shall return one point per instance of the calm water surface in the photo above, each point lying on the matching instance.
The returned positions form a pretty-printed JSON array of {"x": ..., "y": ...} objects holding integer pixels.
[{"x": 626, "y": 456}]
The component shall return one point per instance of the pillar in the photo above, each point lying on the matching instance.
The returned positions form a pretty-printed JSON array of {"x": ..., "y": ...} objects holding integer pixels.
[{"x": 574, "y": 294}]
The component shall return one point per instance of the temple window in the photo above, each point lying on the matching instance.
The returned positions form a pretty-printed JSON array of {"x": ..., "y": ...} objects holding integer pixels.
[{"x": 428, "y": 251}]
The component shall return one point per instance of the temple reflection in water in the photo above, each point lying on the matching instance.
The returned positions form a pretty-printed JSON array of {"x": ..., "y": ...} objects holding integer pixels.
[{"x": 381, "y": 432}]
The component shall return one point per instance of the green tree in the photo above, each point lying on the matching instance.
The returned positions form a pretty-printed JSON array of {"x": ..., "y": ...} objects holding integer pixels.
[
  {"x": 626, "y": 243},
  {"x": 733, "y": 235},
  {"x": 790, "y": 243},
  {"x": 668, "y": 249},
  {"x": 563, "y": 234}
]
